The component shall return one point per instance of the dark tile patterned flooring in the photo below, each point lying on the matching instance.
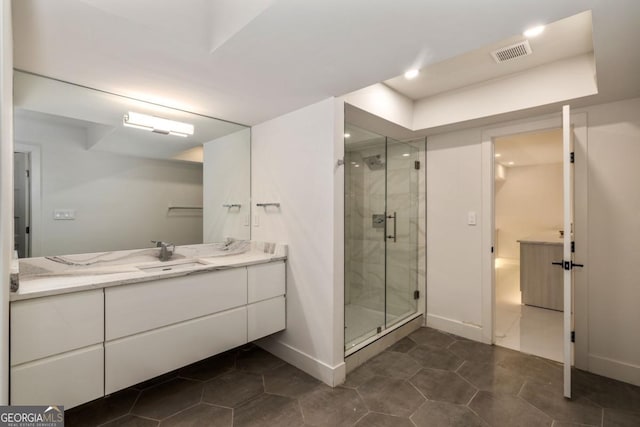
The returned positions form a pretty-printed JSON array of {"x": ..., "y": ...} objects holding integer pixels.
[{"x": 427, "y": 379}]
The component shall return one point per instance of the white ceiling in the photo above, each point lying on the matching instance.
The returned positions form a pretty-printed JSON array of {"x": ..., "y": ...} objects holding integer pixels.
[
  {"x": 528, "y": 149},
  {"x": 256, "y": 61},
  {"x": 562, "y": 39}
]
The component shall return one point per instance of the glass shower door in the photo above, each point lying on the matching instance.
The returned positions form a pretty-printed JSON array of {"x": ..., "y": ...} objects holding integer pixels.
[
  {"x": 401, "y": 257},
  {"x": 364, "y": 240},
  {"x": 381, "y": 233}
]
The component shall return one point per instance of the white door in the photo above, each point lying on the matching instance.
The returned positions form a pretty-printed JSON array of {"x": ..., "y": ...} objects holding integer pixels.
[{"x": 567, "y": 257}]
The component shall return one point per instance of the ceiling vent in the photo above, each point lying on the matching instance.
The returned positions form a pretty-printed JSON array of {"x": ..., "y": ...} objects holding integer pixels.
[{"x": 511, "y": 52}]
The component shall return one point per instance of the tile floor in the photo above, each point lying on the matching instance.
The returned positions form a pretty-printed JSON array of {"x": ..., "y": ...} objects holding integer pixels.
[
  {"x": 427, "y": 379},
  {"x": 531, "y": 330}
]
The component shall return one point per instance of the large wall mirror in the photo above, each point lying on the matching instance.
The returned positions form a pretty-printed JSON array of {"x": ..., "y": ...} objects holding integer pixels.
[{"x": 97, "y": 172}]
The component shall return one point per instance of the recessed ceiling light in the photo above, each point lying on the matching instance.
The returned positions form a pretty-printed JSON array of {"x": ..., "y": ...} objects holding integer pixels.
[
  {"x": 356, "y": 166},
  {"x": 498, "y": 155},
  {"x": 353, "y": 163},
  {"x": 405, "y": 155},
  {"x": 510, "y": 163},
  {"x": 347, "y": 135},
  {"x": 411, "y": 74},
  {"x": 533, "y": 31}
]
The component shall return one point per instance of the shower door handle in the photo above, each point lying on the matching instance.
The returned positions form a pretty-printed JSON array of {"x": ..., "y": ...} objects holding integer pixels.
[{"x": 395, "y": 227}]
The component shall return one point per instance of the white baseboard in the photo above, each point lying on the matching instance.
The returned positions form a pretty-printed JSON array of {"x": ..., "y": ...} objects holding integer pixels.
[
  {"x": 456, "y": 327},
  {"x": 330, "y": 375},
  {"x": 615, "y": 369}
]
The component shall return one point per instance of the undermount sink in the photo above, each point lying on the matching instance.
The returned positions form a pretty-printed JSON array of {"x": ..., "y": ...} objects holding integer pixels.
[{"x": 177, "y": 266}]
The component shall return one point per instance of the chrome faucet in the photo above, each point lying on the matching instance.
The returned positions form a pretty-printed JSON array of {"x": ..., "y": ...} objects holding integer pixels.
[{"x": 165, "y": 253}]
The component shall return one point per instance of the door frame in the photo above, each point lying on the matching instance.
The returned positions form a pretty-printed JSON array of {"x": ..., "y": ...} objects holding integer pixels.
[
  {"x": 579, "y": 124},
  {"x": 35, "y": 194}
]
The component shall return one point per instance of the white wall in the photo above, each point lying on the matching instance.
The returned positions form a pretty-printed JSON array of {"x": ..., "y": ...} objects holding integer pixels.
[
  {"x": 6, "y": 189},
  {"x": 453, "y": 263},
  {"x": 454, "y": 250},
  {"x": 561, "y": 80},
  {"x": 613, "y": 240},
  {"x": 527, "y": 202},
  {"x": 294, "y": 163},
  {"x": 227, "y": 180},
  {"x": 381, "y": 100},
  {"x": 121, "y": 202}
]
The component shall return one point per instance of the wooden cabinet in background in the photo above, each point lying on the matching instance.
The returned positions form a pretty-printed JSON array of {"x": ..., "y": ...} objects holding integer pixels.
[{"x": 540, "y": 281}]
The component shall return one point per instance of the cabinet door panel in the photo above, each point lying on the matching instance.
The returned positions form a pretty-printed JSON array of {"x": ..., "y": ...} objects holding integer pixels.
[
  {"x": 68, "y": 379},
  {"x": 266, "y": 317},
  {"x": 266, "y": 281},
  {"x": 145, "y": 306},
  {"x": 137, "y": 358},
  {"x": 46, "y": 326}
]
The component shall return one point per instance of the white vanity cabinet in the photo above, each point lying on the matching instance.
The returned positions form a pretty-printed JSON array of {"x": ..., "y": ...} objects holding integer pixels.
[
  {"x": 155, "y": 327},
  {"x": 57, "y": 355},
  {"x": 266, "y": 311},
  {"x": 72, "y": 348}
]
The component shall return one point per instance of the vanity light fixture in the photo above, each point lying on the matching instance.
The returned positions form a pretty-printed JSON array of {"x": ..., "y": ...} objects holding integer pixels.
[
  {"x": 347, "y": 135},
  {"x": 533, "y": 31},
  {"x": 411, "y": 74},
  {"x": 157, "y": 124}
]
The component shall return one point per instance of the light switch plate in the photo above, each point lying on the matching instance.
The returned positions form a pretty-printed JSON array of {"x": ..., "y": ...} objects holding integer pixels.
[
  {"x": 471, "y": 218},
  {"x": 64, "y": 214}
]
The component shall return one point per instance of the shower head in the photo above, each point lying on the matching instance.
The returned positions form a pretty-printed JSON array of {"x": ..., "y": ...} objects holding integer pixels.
[{"x": 374, "y": 162}]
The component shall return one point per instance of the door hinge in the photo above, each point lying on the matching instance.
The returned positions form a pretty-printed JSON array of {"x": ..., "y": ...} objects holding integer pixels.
[
  {"x": 416, "y": 294},
  {"x": 416, "y": 165},
  {"x": 573, "y": 246},
  {"x": 27, "y": 230},
  {"x": 573, "y": 336},
  {"x": 573, "y": 157},
  {"x": 491, "y": 249},
  {"x": 28, "y": 173}
]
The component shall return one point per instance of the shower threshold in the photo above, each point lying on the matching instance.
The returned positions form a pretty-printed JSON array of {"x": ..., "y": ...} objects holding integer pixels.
[{"x": 349, "y": 350}]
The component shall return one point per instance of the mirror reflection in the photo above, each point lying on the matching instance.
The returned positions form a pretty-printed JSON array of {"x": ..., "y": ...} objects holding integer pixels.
[{"x": 98, "y": 172}]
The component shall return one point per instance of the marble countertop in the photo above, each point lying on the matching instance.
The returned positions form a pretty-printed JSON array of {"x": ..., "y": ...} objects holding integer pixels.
[
  {"x": 546, "y": 237},
  {"x": 47, "y": 276}
]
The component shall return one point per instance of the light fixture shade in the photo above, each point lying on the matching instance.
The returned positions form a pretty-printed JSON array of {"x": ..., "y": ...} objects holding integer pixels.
[{"x": 157, "y": 124}]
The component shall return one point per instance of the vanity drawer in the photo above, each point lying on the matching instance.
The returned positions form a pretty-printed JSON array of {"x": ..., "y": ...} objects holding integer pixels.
[
  {"x": 46, "y": 326},
  {"x": 266, "y": 317},
  {"x": 68, "y": 379},
  {"x": 266, "y": 281},
  {"x": 137, "y": 308},
  {"x": 134, "y": 359}
]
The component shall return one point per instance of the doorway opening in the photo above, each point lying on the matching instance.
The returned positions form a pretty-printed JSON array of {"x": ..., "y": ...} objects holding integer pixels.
[
  {"x": 22, "y": 203},
  {"x": 528, "y": 197}
]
